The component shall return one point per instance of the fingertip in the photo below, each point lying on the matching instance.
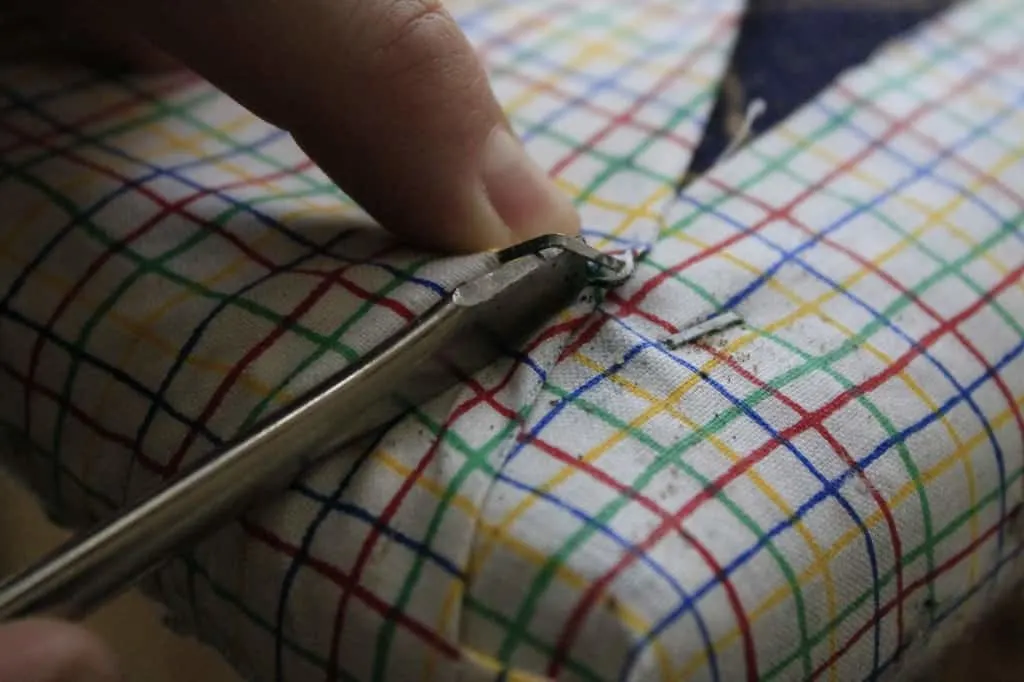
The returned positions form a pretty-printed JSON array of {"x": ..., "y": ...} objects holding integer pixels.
[
  {"x": 523, "y": 196},
  {"x": 514, "y": 200},
  {"x": 42, "y": 650}
]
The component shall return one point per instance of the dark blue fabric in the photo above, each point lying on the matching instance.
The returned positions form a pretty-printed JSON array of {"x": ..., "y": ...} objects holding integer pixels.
[{"x": 790, "y": 50}]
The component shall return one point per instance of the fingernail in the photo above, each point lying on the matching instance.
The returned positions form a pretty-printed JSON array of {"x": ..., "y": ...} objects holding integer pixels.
[{"x": 522, "y": 195}]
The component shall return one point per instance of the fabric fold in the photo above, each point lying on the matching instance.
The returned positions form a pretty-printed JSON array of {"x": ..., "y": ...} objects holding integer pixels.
[
  {"x": 827, "y": 490},
  {"x": 173, "y": 268},
  {"x": 830, "y": 488}
]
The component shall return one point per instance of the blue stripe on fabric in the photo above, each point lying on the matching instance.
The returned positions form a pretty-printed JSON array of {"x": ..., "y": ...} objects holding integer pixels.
[{"x": 832, "y": 489}]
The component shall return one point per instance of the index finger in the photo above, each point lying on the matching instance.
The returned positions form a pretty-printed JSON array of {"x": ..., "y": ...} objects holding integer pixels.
[{"x": 387, "y": 96}]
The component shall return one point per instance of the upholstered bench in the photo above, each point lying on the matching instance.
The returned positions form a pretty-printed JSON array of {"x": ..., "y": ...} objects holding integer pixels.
[{"x": 815, "y": 492}]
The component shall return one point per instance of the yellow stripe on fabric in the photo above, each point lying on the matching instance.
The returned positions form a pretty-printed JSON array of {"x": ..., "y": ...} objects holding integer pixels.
[
  {"x": 139, "y": 329},
  {"x": 191, "y": 145},
  {"x": 630, "y": 214},
  {"x": 499, "y": 532},
  {"x": 961, "y": 450},
  {"x": 449, "y": 609},
  {"x": 587, "y": 53},
  {"x": 630, "y": 617},
  {"x": 929, "y": 475},
  {"x": 595, "y": 49},
  {"x": 915, "y": 387},
  {"x": 820, "y": 557},
  {"x": 500, "y": 672},
  {"x": 774, "y": 599},
  {"x": 32, "y": 213},
  {"x": 934, "y": 217},
  {"x": 803, "y": 310},
  {"x": 642, "y": 210},
  {"x": 221, "y": 369},
  {"x": 987, "y": 256},
  {"x": 305, "y": 209},
  {"x": 161, "y": 130},
  {"x": 895, "y": 502},
  {"x": 604, "y": 49}
]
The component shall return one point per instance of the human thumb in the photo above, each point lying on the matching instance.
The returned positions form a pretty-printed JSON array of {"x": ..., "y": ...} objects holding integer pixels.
[
  {"x": 53, "y": 651},
  {"x": 386, "y": 96}
]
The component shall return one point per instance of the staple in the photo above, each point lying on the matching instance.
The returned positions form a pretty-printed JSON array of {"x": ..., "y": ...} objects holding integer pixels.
[{"x": 699, "y": 330}]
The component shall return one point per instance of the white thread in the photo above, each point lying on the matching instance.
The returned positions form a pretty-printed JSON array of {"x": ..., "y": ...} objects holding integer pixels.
[{"x": 755, "y": 110}]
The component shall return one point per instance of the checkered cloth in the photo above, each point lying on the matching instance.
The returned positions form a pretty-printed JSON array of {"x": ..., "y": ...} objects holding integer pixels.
[{"x": 818, "y": 492}]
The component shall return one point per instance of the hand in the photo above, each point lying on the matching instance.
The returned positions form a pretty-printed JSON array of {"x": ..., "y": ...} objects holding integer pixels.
[
  {"x": 50, "y": 651},
  {"x": 386, "y": 96}
]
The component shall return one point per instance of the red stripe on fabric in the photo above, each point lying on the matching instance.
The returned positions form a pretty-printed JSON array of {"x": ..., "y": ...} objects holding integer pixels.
[
  {"x": 844, "y": 454},
  {"x": 913, "y": 587},
  {"x": 784, "y": 213},
  {"x": 813, "y": 420},
  {"x": 574, "y": 622},
  {"x": 348, "y": 584},
  {"x": 480, "y": 395},
  {"x": 98, "y": 263},
  {"x": 104, "y": 113},
  {"x": 388, "y": 514},
  {"x": 176, "y": 207},
  {"x": 256, "y": 351},
  {"x": 558, "y": 658},
  {"x": 83, "y": 416},
  {"x": 662, "y": 84},
  {"x": 872, "y": 267},
  {"x": 933, "y": 144},
  {"x": 990, "y": 180},
  {"x": 626, "y": 308},
  {"x": 972, "y": 349},
  {"x": 893, "y": 282}
]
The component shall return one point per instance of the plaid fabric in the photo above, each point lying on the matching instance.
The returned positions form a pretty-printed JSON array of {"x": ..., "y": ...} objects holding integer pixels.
[
  {"x": 172, "y": 268},
  {"x": 816, "y": 493}
]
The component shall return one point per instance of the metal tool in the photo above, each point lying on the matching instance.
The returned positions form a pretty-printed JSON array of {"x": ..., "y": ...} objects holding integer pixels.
[{"x": 462, "y": 334}]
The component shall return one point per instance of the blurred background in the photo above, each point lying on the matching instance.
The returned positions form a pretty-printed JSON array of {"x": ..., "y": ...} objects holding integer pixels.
[{"x": 132, "y": 625}]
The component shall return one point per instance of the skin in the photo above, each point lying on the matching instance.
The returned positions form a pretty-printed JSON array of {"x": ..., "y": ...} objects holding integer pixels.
[{"x": 386, "y": 96}]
